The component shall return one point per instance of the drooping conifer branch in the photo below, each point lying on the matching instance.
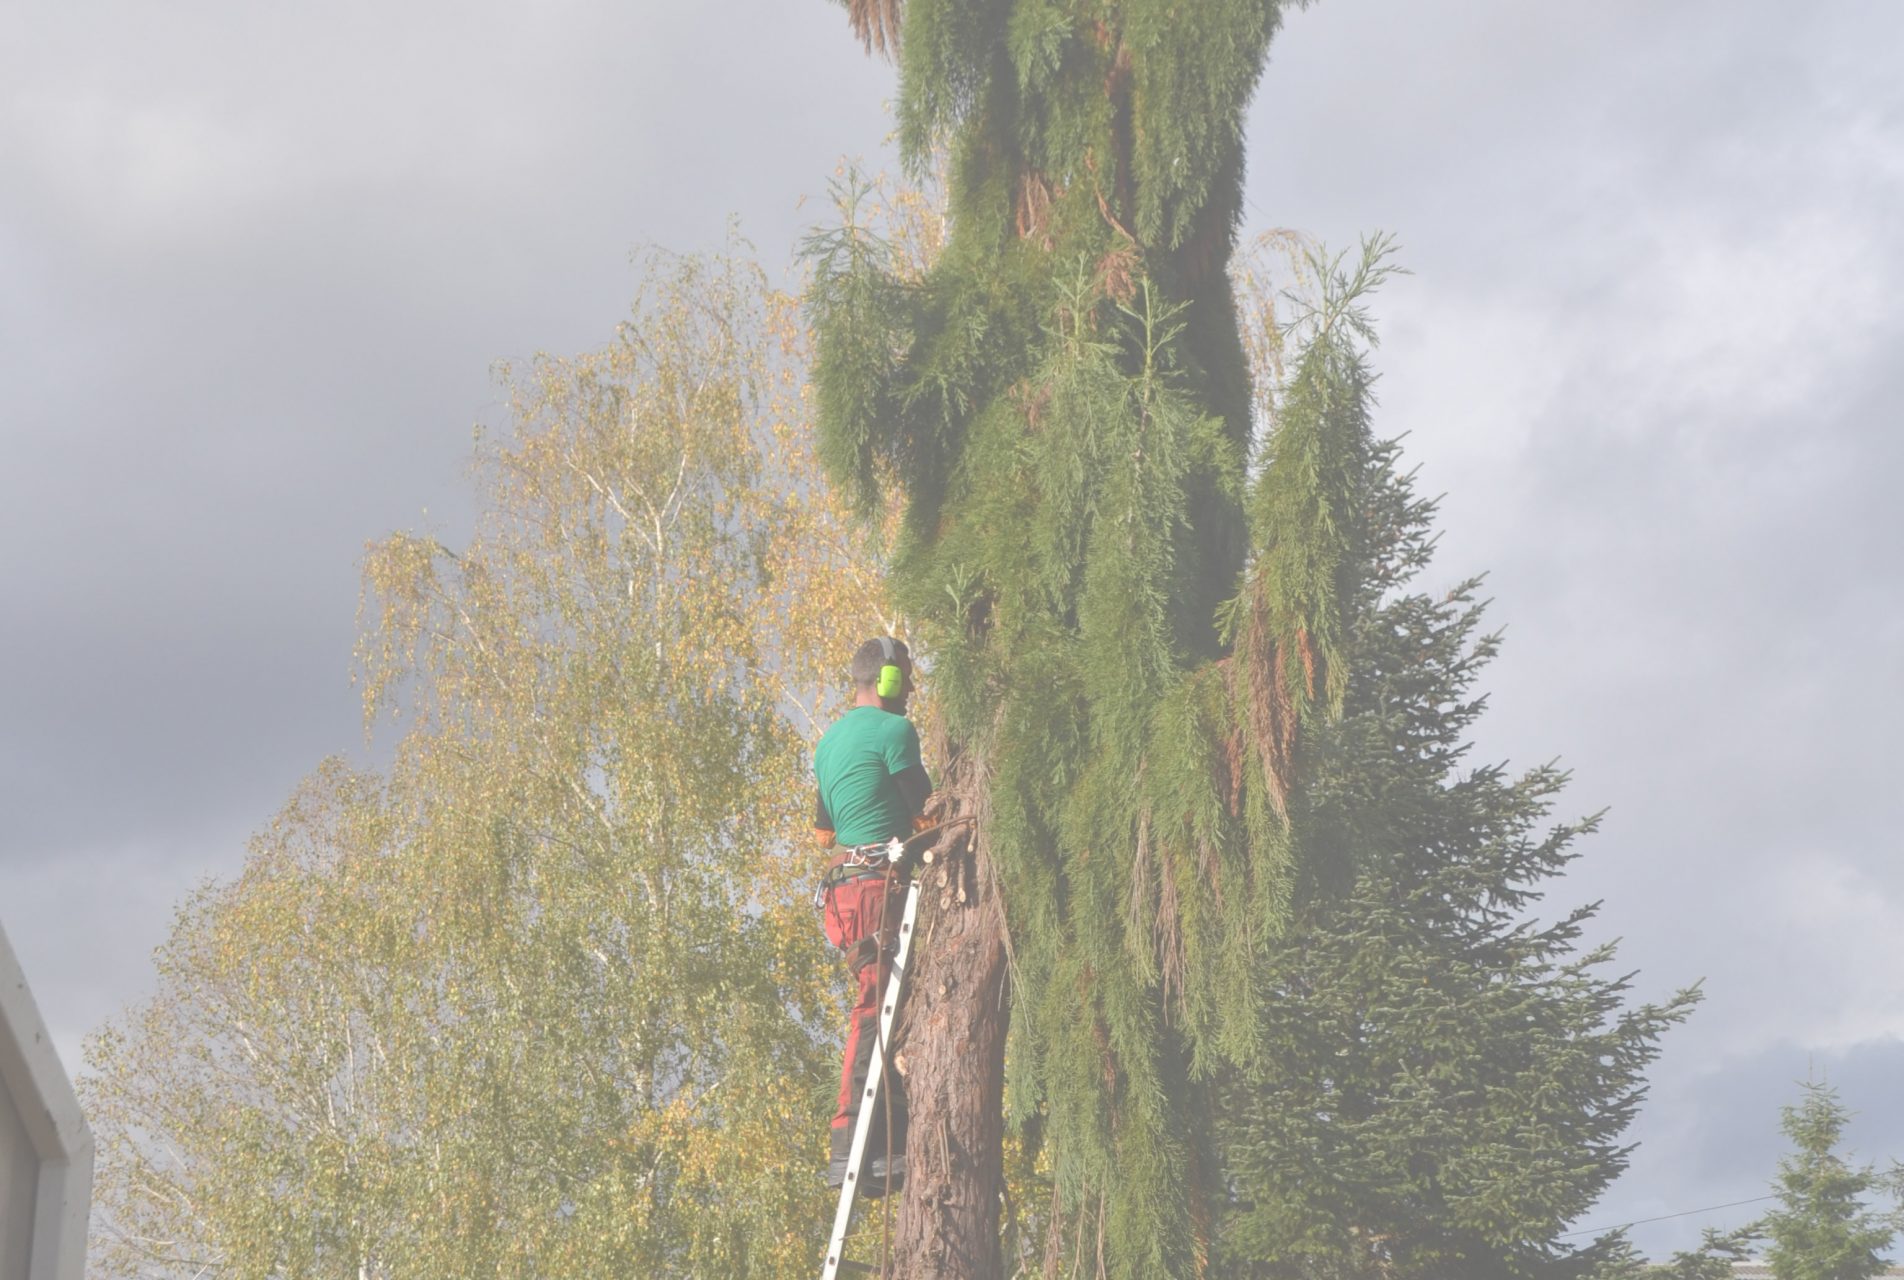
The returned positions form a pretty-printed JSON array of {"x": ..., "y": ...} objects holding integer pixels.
[{"x": 1292, "y": 618}]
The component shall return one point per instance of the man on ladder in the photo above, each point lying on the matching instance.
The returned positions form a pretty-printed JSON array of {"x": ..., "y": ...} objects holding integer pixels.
[{"x": 872, "y": 789}]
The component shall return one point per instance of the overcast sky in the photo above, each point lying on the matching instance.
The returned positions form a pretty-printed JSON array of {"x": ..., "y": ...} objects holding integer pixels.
[{"x": 256, "y": 263}]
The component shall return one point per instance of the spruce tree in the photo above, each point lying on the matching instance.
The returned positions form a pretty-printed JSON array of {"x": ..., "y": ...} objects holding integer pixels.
[
  {"x": 1822, "y": 1229},
  {"x": 1129, "y": 638},
  {"x": 1443, "y": 1078},
  {"x": 1713, "y": 1259}
]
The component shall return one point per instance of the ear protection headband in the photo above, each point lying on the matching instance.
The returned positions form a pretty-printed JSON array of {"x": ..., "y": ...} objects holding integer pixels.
[{"x": 891, "y": 678}]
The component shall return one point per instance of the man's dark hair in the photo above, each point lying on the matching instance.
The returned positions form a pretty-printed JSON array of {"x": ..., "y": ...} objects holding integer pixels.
[{"x": 869, "y": 658}]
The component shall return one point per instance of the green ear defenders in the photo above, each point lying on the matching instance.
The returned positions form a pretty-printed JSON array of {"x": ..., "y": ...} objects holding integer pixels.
[{"x": 891, "y": 678}]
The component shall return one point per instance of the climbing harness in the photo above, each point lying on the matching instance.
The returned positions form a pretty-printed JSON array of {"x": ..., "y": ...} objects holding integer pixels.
[{"x": 861, "y": 862}]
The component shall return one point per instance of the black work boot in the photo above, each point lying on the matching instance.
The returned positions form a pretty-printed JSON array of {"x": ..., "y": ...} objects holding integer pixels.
[
  {"x": 881, "y": 1178},
  {"x": 878, "y": 1178},
  {"x": 878, "y": 1181}
]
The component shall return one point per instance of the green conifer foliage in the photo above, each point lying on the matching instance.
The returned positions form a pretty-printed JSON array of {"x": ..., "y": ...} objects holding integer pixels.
[
  {"x": 1822, "y": 1229},
  {"x": 1061, "y": 410},
  {"x": 1713, "y": 1259},
  {"x": 1443, "y": 1081}
]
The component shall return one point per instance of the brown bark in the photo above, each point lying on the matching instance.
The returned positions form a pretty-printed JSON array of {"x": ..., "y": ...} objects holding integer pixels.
[{"x": 952, "y": 1054}]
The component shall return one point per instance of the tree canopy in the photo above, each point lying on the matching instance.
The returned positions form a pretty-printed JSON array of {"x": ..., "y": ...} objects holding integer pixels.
[
  {"x": 547, "y": 1000},
  {"x": 1822, "y": 1228},
  {"x": 1445, "y": 1078}
]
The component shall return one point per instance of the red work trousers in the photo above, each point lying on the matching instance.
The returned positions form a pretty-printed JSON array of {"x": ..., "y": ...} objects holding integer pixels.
[{"x": 862, "y": 920}]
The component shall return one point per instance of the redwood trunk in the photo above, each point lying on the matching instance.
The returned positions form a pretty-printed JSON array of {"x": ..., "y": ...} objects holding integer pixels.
[{"x": 952, "y": 1054}]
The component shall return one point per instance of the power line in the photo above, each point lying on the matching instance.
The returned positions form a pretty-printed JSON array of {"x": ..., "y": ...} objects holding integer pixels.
[{"x": 1640, "y": 1222}]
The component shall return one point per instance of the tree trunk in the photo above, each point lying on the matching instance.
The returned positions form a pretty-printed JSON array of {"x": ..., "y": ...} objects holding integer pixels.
[{"x": 952, "y": 1055}]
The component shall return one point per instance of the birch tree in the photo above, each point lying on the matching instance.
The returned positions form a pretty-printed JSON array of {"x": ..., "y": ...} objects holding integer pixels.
[{"x": 548, "y": 1000}]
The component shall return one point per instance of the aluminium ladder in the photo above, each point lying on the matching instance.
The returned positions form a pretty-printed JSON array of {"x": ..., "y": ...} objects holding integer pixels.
[{"x": 862, "y": 1126}]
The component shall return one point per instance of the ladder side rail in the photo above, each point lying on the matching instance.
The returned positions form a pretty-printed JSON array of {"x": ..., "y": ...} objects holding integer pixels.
[{"x": 862, "y": 1126}]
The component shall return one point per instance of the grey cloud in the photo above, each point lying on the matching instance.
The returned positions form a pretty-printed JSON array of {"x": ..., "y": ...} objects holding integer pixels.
[
  {"x": 278, "y": 256},
  {"x": 265, "y": 260}
]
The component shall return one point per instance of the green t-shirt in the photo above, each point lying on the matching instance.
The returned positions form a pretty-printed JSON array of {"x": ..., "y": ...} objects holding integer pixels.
[{"x": 855, "y": 764}]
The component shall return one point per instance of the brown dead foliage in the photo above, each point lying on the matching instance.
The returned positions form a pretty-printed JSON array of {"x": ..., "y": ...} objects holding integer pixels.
[
  {"x": 1117, "y": 271},
  {"x": 1274, "y": 721},
  {"x": 1031, "y": 207},
  {"x": 1234, "y": 754},
  {"x": 1155, "y": 909},
  {"x": 1032, "y": 400},
  {"x": 876, "y": 23}
]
